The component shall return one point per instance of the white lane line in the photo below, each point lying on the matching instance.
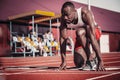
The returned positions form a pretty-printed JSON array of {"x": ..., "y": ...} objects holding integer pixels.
[
  {"x": 111, "y": 58},
  {"x": 1, "y": 74},
  {"x": 55, "y": 71},
  {"x": 111, "y": 62},
  {"x": 103, "y": 76},
  {"x": 112, "y": 68}
]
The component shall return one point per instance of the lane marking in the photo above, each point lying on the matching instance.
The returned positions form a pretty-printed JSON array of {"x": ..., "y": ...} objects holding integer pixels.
[
  {"x": 55, "y": 71},
  {"x": 103, "y": 76},
  {"x": 111, "y": 62},
  {"x": 1, "y": 74},
  {"x": 112, "y": 68}
]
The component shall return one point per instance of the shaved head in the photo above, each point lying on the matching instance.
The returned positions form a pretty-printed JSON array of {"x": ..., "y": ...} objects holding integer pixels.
[{"x": 67, "y": 4}]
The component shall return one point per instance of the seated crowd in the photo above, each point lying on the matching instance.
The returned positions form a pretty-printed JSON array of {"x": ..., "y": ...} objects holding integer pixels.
[{"x": 44, "y": 46}]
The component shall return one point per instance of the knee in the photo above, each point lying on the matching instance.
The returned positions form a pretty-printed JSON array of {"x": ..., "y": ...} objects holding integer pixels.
[
  {"x": 78, "y": 60},
  {"x": 80, "y": 33}
]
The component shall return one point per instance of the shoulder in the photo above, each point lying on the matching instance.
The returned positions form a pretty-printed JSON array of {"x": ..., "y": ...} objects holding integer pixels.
[{"x": 85, "y": 10}]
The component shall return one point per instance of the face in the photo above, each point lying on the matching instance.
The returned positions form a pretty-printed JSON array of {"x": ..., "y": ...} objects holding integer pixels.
[{"x": 68, "y": 14}]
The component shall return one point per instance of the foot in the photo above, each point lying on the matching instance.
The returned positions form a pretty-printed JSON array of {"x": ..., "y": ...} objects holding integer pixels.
[{"x": 89, "y": 64}]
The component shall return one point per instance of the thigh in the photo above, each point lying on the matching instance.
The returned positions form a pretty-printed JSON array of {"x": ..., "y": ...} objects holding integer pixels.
[
  {"x": 81, "y": 36},
  {"x": 79, "y": 57}
]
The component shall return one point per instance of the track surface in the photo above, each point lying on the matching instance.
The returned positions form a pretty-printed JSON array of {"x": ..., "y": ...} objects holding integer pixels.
[{"x": 46, "y": 68}]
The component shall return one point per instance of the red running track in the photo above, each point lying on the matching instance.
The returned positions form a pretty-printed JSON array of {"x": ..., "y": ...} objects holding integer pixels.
[{"x": 45, "y": 68}]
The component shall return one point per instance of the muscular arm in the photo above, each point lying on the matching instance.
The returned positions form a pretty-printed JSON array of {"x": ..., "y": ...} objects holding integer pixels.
[
  {"x": 63, "y": 40},
  {"x": 88, "y": 18}
]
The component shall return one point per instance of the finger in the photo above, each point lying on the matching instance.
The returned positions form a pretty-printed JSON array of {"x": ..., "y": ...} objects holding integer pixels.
[
  {"x": 103, "y": 69},
  {"x": 62, "y": 68},
  {"x": 57, "y": 69},
  {"x": 99, "y": 69}
]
